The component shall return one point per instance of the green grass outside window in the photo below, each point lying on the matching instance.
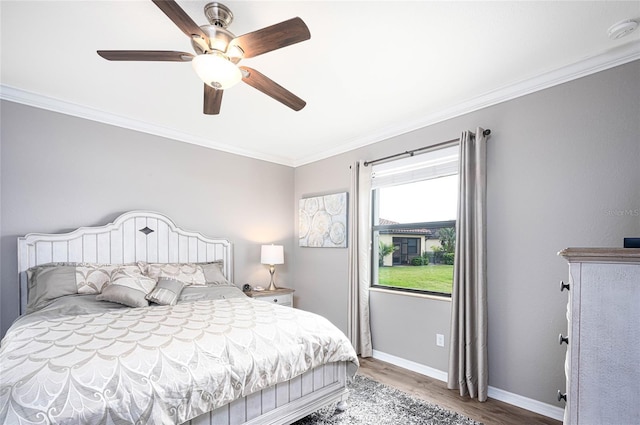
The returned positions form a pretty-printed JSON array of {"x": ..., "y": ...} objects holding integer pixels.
[{"x": 433, "y": 278}]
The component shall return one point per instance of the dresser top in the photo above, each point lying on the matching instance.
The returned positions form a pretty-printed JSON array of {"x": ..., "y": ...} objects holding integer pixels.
[{"x": 601, "y": 255}]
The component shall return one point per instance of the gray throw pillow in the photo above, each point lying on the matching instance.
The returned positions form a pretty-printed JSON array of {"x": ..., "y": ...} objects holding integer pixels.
[
  {"x": 166, "y": 292},
  {"x": 48, "y": 282},
  {"x": 210, "y": 292},
  {"x": 213, "y": 273}
]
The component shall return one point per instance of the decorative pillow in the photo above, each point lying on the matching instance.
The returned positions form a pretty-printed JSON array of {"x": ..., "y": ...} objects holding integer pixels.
[
  {"x": 188, "y": 273},
  {"x": 213, "y": 273},
  {"x": 92, "y": 278},
  {"x": 166, "y": 292},
  {"x": 48, "y": 282},
  {"x": 129, "y": 288},
  {"x": 213, "y": 292}
]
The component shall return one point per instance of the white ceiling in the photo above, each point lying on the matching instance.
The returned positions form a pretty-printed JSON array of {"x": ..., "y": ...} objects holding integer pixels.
[{"x": 371, "y": 69}]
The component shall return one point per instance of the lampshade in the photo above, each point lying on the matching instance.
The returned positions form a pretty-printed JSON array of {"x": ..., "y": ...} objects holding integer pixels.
[
  {"x": 216, "y": 70},
  {"x": 272, "y": 254}
]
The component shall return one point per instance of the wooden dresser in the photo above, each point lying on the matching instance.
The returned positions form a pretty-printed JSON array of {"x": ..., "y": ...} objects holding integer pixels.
[{"x": 602, "y": 365}]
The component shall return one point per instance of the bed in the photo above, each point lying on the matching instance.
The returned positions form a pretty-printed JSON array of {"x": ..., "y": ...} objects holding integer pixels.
[{"x": 87, "y": 348}]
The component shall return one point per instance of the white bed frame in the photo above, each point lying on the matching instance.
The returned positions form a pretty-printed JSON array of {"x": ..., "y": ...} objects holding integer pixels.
[{"x": 153, "y": 237}]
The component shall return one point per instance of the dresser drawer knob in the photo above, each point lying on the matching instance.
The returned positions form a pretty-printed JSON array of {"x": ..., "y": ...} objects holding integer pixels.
[
  {"x": 563, "y": 286},
  {"x": 275, "y": 300},
  {"x": 562, "y": 339},
  {"x": 562, "y": 396}
]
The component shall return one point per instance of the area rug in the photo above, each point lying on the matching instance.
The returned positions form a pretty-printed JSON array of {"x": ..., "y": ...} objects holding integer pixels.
[{"x": 372, "y": 403}]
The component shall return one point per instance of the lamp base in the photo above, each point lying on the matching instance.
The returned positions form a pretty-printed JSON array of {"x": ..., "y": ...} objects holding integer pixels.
[{"x": 272, "y": 284}]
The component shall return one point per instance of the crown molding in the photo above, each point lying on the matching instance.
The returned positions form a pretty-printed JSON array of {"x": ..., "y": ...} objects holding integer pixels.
[
  {"x": 25, "y": 97},
  {"x": 611, "y": 58}
]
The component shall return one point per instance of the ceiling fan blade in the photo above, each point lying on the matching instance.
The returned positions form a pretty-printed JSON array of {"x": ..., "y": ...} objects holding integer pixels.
[
  {"x": 212, "y": 100},
  {"x": 271, "y": 88},
  {"x": 181, "y": 19},
  {"x": 274, "y": 37},
  {"x": 146, "y": 55}
]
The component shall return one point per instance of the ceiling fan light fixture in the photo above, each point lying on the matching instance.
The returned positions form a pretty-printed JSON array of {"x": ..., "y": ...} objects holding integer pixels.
[
  {"x": 215, "y": 70},
  {"x": 218, "y": 52}
]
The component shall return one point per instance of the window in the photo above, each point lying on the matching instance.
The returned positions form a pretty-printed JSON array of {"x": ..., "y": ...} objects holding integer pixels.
[{"x": 413, "y": 222}]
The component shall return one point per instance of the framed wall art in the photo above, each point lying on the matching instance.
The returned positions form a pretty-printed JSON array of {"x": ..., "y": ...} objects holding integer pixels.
[{"x": 323, "y": 221}]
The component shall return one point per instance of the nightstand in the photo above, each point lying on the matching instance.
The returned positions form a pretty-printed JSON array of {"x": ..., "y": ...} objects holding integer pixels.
[{"x": 282, "y": 296}]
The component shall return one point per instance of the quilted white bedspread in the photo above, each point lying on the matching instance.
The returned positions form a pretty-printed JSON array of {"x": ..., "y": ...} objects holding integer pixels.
[{"x": 156, "y": 365}]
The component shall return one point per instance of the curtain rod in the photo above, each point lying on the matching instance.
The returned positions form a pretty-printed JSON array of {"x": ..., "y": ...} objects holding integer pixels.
[{"x": 412, "y": 152}]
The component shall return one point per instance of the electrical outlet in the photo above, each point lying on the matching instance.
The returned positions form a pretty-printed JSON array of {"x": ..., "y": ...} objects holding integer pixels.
[{"x": 440, "y": 340}]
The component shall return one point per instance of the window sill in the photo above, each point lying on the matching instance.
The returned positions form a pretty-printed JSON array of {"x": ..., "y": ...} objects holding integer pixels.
[{"x": 410, "y": 294}]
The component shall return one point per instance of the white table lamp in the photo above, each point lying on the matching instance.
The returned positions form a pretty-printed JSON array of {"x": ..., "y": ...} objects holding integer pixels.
[{"x": 272, "y": 255}]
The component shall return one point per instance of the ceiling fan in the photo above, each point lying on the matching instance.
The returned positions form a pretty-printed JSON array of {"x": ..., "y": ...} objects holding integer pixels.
[{"x": 218, "y": 52}]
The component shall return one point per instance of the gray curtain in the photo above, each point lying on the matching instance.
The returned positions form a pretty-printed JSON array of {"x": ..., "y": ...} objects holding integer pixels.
[
  {"x": 359, "y": 331},
  {"x": 468, "y": 343}
]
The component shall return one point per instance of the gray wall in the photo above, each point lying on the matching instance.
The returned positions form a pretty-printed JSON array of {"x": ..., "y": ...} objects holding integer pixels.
[
  {"x": 60, "y": 172},
  {"x": 563, "y": 167}
]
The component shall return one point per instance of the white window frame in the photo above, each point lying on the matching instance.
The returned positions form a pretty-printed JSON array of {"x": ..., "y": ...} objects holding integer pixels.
[{"x": 442, "y": 161}]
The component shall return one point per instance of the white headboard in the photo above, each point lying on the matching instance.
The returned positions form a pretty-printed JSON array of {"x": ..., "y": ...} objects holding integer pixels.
[{"x": 134, "y": 236}]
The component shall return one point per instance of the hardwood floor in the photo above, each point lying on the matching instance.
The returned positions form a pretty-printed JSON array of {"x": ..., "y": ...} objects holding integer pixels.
[{"x": 491, "y": 412}]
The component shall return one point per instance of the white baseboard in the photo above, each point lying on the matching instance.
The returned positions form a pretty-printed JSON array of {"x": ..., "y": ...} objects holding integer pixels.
[
  {"x": 495, "y": 393},
  {"x": 409, "y": 365},
  {"x": 530, "y": 404}
]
